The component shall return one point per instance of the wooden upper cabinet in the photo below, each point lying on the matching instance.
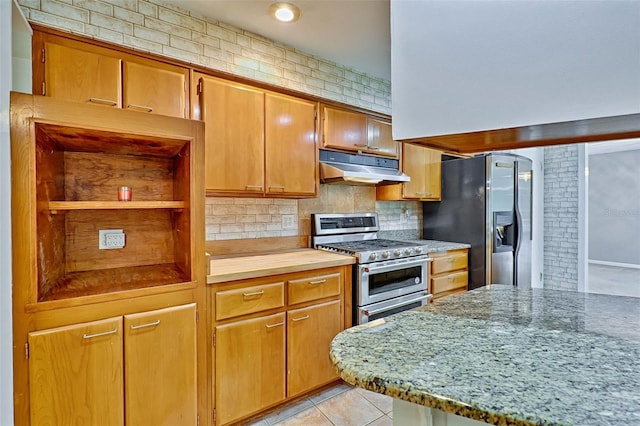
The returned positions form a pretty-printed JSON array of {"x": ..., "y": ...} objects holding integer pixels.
[
  {"x": 155, "y": 87},
  {"x": 160, "y": 366},
  {"x": 234, "y": 136},
  {"x": 76, "y": 374},
  {"x": 77, "y": 71},
  {"x": 379, "y": 138},
  {"x": 79, "y": 75},
  {"x": 423, "y": 165},
  {"x": 290, "y": 145},
  {"x": 343, "y": 129},
  {"x": 257, "y": 142},
  {"x": 353, "y": 131}
]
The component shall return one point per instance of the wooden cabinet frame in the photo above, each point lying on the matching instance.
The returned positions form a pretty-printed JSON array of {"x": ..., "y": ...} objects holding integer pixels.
[
  {"x": 308, "y": 296},
  {"x": 47, "y": 223}
]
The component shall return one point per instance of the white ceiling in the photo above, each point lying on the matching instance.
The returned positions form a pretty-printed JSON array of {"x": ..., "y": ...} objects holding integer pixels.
[{"x": 354, "y": 33}]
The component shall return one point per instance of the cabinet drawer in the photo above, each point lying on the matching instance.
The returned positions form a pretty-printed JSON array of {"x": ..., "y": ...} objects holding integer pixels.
[
  {"x": 247, "y": 300},
  {"x": 449, "y": 262},
  {"x": 312, "y": 288},
  {"x": 456, "y": 281}
]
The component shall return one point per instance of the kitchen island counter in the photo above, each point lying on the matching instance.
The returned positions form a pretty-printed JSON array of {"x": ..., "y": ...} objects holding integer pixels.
[{"x": 503, "y": 356}]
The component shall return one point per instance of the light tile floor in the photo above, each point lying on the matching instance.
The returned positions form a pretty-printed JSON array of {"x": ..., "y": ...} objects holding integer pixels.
[
  {"x": 614, "y": 280},
  {"x": 339, "y": 405}
]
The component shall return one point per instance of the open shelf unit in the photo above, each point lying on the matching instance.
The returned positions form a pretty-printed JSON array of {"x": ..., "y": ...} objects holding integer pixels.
[{"x": 79, "y": 159}]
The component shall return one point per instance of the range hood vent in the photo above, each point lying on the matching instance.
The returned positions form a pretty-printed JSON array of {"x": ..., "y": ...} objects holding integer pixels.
[{"x": 357, "y": 169}]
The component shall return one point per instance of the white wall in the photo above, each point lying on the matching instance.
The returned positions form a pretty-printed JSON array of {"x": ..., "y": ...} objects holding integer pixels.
[
  {"x": 461, "y": 66},
  {"x": 15, "y": 74},
  {"x": 6, "y": 363}
]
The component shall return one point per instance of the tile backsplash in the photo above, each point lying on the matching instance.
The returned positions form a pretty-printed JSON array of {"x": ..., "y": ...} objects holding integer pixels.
[
  {"x": 246, "y": 218},
  {"x": 236, "y": 218}
]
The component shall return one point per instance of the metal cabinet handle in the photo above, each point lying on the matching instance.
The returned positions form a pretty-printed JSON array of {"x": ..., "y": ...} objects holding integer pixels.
[
  {"x": 255, "y": 293},
  {"x": 424, "y": 193},
  {"x": 317, "y": 282},
  {"x": 105, "y": 333},
  {"x": 274, "y": 325},
  {"x": 301, "y": 318},
  {"x": 373, "y": 148},
  {"x": 257, "y": 187},
  {"x": 276, "y": 187},
  {"x": 151, "y": 324},
  {"x": 103, "y": 101},
  {"x": 142, "y": 107},
  {"x": 361, "y": 145}
]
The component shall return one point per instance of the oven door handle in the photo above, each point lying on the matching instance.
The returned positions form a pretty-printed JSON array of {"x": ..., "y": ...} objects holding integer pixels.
[
  {"x": 368, "y": 312},
  {"x": 423, "y": 261}
]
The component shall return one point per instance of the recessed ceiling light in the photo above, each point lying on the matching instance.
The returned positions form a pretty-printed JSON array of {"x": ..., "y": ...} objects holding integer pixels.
[{"x": 284, "y": 12}]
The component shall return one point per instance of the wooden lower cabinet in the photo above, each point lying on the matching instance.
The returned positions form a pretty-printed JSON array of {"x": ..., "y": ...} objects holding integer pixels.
[
  {"x": 76, "y": 374},
  {"x": 250, "y": 366},
  {"x": 449, "y": 273},
  {"x": 270, "y": 348},
  {"x": 139, "y": 369},
  {"x": 309, "y": 334},
  {"x": 160, "y": 363}
]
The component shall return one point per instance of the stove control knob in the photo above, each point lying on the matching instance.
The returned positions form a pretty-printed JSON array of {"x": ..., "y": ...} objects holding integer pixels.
[
  {"x": 408, "y": 251},
  {"x": 373, "y": 256},
  {"x": 385, "y": 254},
  {"x": 418, "y": 250},
  {"x": 396, "y": 252}
]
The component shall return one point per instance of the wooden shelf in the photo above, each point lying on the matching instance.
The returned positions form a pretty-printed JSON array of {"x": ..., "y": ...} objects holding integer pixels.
[
  {"x": 56, "y": 206},
  {"x": 86, "y": 283}
]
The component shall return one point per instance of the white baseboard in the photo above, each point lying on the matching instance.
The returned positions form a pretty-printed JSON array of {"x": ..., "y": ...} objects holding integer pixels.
[{"x": 616, "y": 264}]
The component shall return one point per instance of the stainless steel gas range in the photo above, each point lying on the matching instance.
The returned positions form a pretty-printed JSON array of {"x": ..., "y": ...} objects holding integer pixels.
[{"x": 389, "y": 276}]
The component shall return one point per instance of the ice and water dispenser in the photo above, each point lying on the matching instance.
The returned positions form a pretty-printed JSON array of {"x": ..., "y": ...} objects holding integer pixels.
[{"x": 503, "y": 231}]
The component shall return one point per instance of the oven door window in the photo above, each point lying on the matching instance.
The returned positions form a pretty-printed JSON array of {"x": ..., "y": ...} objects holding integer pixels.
[{"x": 393, "y": 280}]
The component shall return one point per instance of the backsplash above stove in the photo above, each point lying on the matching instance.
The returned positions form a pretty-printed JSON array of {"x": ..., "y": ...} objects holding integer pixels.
[{"x": 246, "y": 218}]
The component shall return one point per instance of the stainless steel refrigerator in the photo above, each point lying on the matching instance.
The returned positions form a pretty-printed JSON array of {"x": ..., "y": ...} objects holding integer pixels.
[{"x": 486, "y": 202}]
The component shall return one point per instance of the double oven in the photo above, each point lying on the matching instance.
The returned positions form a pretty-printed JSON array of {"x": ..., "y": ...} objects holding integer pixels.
[{"x": 389, "y": 276}]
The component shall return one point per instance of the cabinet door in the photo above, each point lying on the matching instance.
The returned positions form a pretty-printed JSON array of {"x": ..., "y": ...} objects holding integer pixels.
[
  {"x": 75, "y": 374},
  {"x": 344, "y": 129},
  {"x": 423, "y": 165},
  {"x": 379, "y": 138},
  {"x": 80, "y": 75},
  {"x": 413, "y": 164},
  {"x": 249, "y": 366},
  {"x": 310, "y": 331},
  {"x": 234, "y": 136},
  {"x": 160, "y": 366},
  {"x": 433, "y": 183},
  {"x": 290, "y": 138},
  {"x": 156, "y": 87}
]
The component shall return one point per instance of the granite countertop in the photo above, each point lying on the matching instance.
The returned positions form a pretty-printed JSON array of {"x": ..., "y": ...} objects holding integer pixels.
[
  {"x": 506, "y": 356},
  {"x": 442, "y": 246}
]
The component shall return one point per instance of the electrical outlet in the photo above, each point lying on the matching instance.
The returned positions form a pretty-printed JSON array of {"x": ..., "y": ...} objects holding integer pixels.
[{"x": 110, "y": 239}]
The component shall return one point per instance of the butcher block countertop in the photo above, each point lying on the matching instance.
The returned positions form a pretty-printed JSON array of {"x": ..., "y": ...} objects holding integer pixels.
[{"x": 223, "y": 269}]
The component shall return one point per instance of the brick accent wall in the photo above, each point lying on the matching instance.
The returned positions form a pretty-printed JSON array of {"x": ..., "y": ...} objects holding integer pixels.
[
  {"x": 561, "y": 209},
  {"x": 156, "y": 27}
]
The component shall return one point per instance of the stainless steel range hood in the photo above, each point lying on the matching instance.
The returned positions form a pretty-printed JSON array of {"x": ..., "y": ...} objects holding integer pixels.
[{"x": 355, "y": 169}]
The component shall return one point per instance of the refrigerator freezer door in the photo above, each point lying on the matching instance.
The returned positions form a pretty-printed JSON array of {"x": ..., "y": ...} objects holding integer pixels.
[{"x": 502, "y": 182}]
